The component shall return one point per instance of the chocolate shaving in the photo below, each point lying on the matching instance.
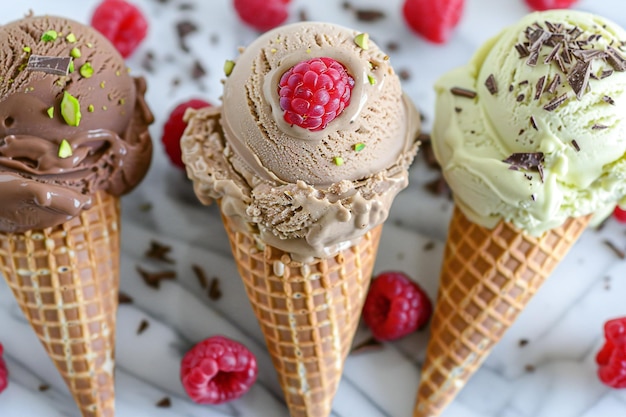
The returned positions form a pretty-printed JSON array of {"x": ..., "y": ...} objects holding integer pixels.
[
  {"x": 530, "y": 161},
  {"x": 199, "y": 272},
  {"x": 552, "y": 54},
  {"x": 367, "y": 345},
  {"x": 164, "y": 403},
  {"x": 49, "y": 64},
  {"x": 523, "y": 342},
  {"x": 554, "y": 84},
  {"x": 529, "y": 368},
  {"x": 605, "y": 73},
  {"x": 520, "y": 97},
  {"x": 215, "y": 293},
  {"x": 540, "y": 83},
  {"x": 608, "y": 99},
  {"x": 463, "y": 92},
  {"x": 369, "y": 15},
  {"x": 533, "y": 123},
  {"x": 430, "y": 245},
  {"x": 458, "y": 109},
  {"x": 578, "y": 79},
  {"x": 143, "y": 326},
  {"x": 599, "y": 127},
  {"x": 589, "y": 54},
  {"x": 575, "y": 145},
  {"x": 491, "y": 85},
  {"x": 533, "y": 197},
  {"x": 511, "y": 88},
  {"x": 123, "y": 298},
  {"x": 537, "y": 38},
  {"x": 555, "y": 102},
  {"x": 533, "y": 58},
  {"x": 620, "y": 253},
  {"x": 159, "y": 252},
  {"x": 153, "y": 279},
  {"x": 197, "y": 70},
  {"x": 404, "y": 74},
  {"x": 183, "y": 29},
  {"x": 616, "y": 60},
  {"x": 303, "y": 15},
  {"x": 44, "y": 387},
  {"x": 522, "y": 50}
]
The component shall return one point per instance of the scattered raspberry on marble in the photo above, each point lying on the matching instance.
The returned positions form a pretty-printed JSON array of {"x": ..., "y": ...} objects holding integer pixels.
[
  {"x": 314, "y": 92},
  {"x": 434, "y": 20},
  {"x": 549, "y": 4},
  {"x": 611, "y": 358},
  {"x": 619, "y": 214},
  {"x": 395, "y": 306},
  {"x": 262, "y": 15},
  {"x": 218, "y": 370},
  {"x": 4, "y": 374},
  {"x": 121, "y": 23},
  {"x": 175, "y": 126}
]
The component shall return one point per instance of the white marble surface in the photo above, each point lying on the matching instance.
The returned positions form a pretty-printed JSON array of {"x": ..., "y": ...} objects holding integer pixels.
[{"x": 562, "y": 324}]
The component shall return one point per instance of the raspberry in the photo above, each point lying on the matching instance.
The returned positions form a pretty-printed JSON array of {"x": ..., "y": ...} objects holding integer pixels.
[
  {"x": 395, "y": 306},
  {"x": 314, "y": 92},
  {"x": 262, "y": 15},
  {"x": 434, "y": 20},
  {"x": 612, "y": 357},
  {"x": 4, "y": 374},
  {"x": 121, "y": 23},
  {"x": 218, "y": 370},
  {"x": 619, "y": 214},
  {"x": 175, "y": 126},
  {"x": 549, "y": 4}
]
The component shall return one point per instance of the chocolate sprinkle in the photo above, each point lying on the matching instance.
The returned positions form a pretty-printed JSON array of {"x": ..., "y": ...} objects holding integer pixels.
[
  {"x": 556, "y": 102},
  {"x": 159, "y": 252},
  {"x": 165, "y": 402},
  {"x": 215, "y": 293},
  {"x": 153, "y": 279},
  {"x": 49, "y": 64},
  {"x": 143, "y": 326},
  {"x": 197, "y": 269},
  {"x": 463, "y": 92},
  {"x": 575, "y": 145},
  {"x": 369, "y": 15},
  {"x": 620, "y": 253},
  {"x": 491, "y": 85}
]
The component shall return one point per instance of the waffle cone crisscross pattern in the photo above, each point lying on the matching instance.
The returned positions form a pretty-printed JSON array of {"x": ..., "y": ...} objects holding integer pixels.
[
  {"x": 308, "y": 313},
  {"x": 66, "y": 281},
  {"x": 487, "y": 278}
]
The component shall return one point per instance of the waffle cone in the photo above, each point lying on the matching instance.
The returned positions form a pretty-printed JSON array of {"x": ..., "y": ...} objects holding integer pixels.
[
  {"x": 308, "y": 312},
  {"x": 488, "y": 276},
  {"x": 66, "y": 281}
]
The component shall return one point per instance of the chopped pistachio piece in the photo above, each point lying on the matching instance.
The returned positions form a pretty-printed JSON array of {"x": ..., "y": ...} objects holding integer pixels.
[
  {"x": 70, "y": 68},
  {"x": 50, "y": 112},
  {"x": 70, "y": 109},
  {"x": 90, "y": 108},
  {"x": 228, "y": 67},
  {"x": 65, "y": 149},
  {"x": 71, "y": 38},
  {"x": 337, "y": 160},
  {"x": 362, "y": 40},
  {"x": 49, "y": 35},
  {"x": 26, "y": 49},
  {"x": 359, "y": 147},
  {"x": 86, "y": 70},
  {"x": 371, "y": 79},
  {"x": 75, "y": 53},
  {"x": 102, "y": 84}
]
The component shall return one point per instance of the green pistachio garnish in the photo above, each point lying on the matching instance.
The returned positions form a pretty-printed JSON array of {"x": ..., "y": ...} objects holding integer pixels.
[
  {"x": 371, "y": 79},
  {"x": 75, "y": 53},
  {"x": 362, "y": 40},
  {"x": 122, "y": 101},
  {"x": 86, "y": 70},
  {"x": 89, "y": 45},
  {"x": 337, "y": 160},
  {"x": 49, "y": 36},
  {"x": 26, "y": 49},
  {"x": 102, "y": 84},
  {"x": 90, "y": 108},
  {"x": 71, "y": 68},
  {"x": 65, "y": 149},
  {"x": 70, "y": 109},
  {"x": 228, "y": 67},
  {"x": 71, "y": 38},
  {"x": 50, "y": 112},
  {"x": 359, "y": 147}
]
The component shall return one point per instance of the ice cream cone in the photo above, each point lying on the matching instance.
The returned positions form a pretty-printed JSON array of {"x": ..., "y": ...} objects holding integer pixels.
[
  {"x": 488, "y": 276},
  {"x": 66, "y": 281},
  {"x": 308, "y": 312}
]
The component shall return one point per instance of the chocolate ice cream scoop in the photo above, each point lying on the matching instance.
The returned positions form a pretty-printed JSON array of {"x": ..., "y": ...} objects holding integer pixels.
[{"x": 72, "y": 121}]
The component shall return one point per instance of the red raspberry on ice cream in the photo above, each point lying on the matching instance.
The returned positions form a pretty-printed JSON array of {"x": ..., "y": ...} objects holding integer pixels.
[
  {"x": 218, "y": 370},
  {"x": 395, "y": 306},
  {"x": 612, "y": 357},
  {"x": 314, "y": 92}
]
